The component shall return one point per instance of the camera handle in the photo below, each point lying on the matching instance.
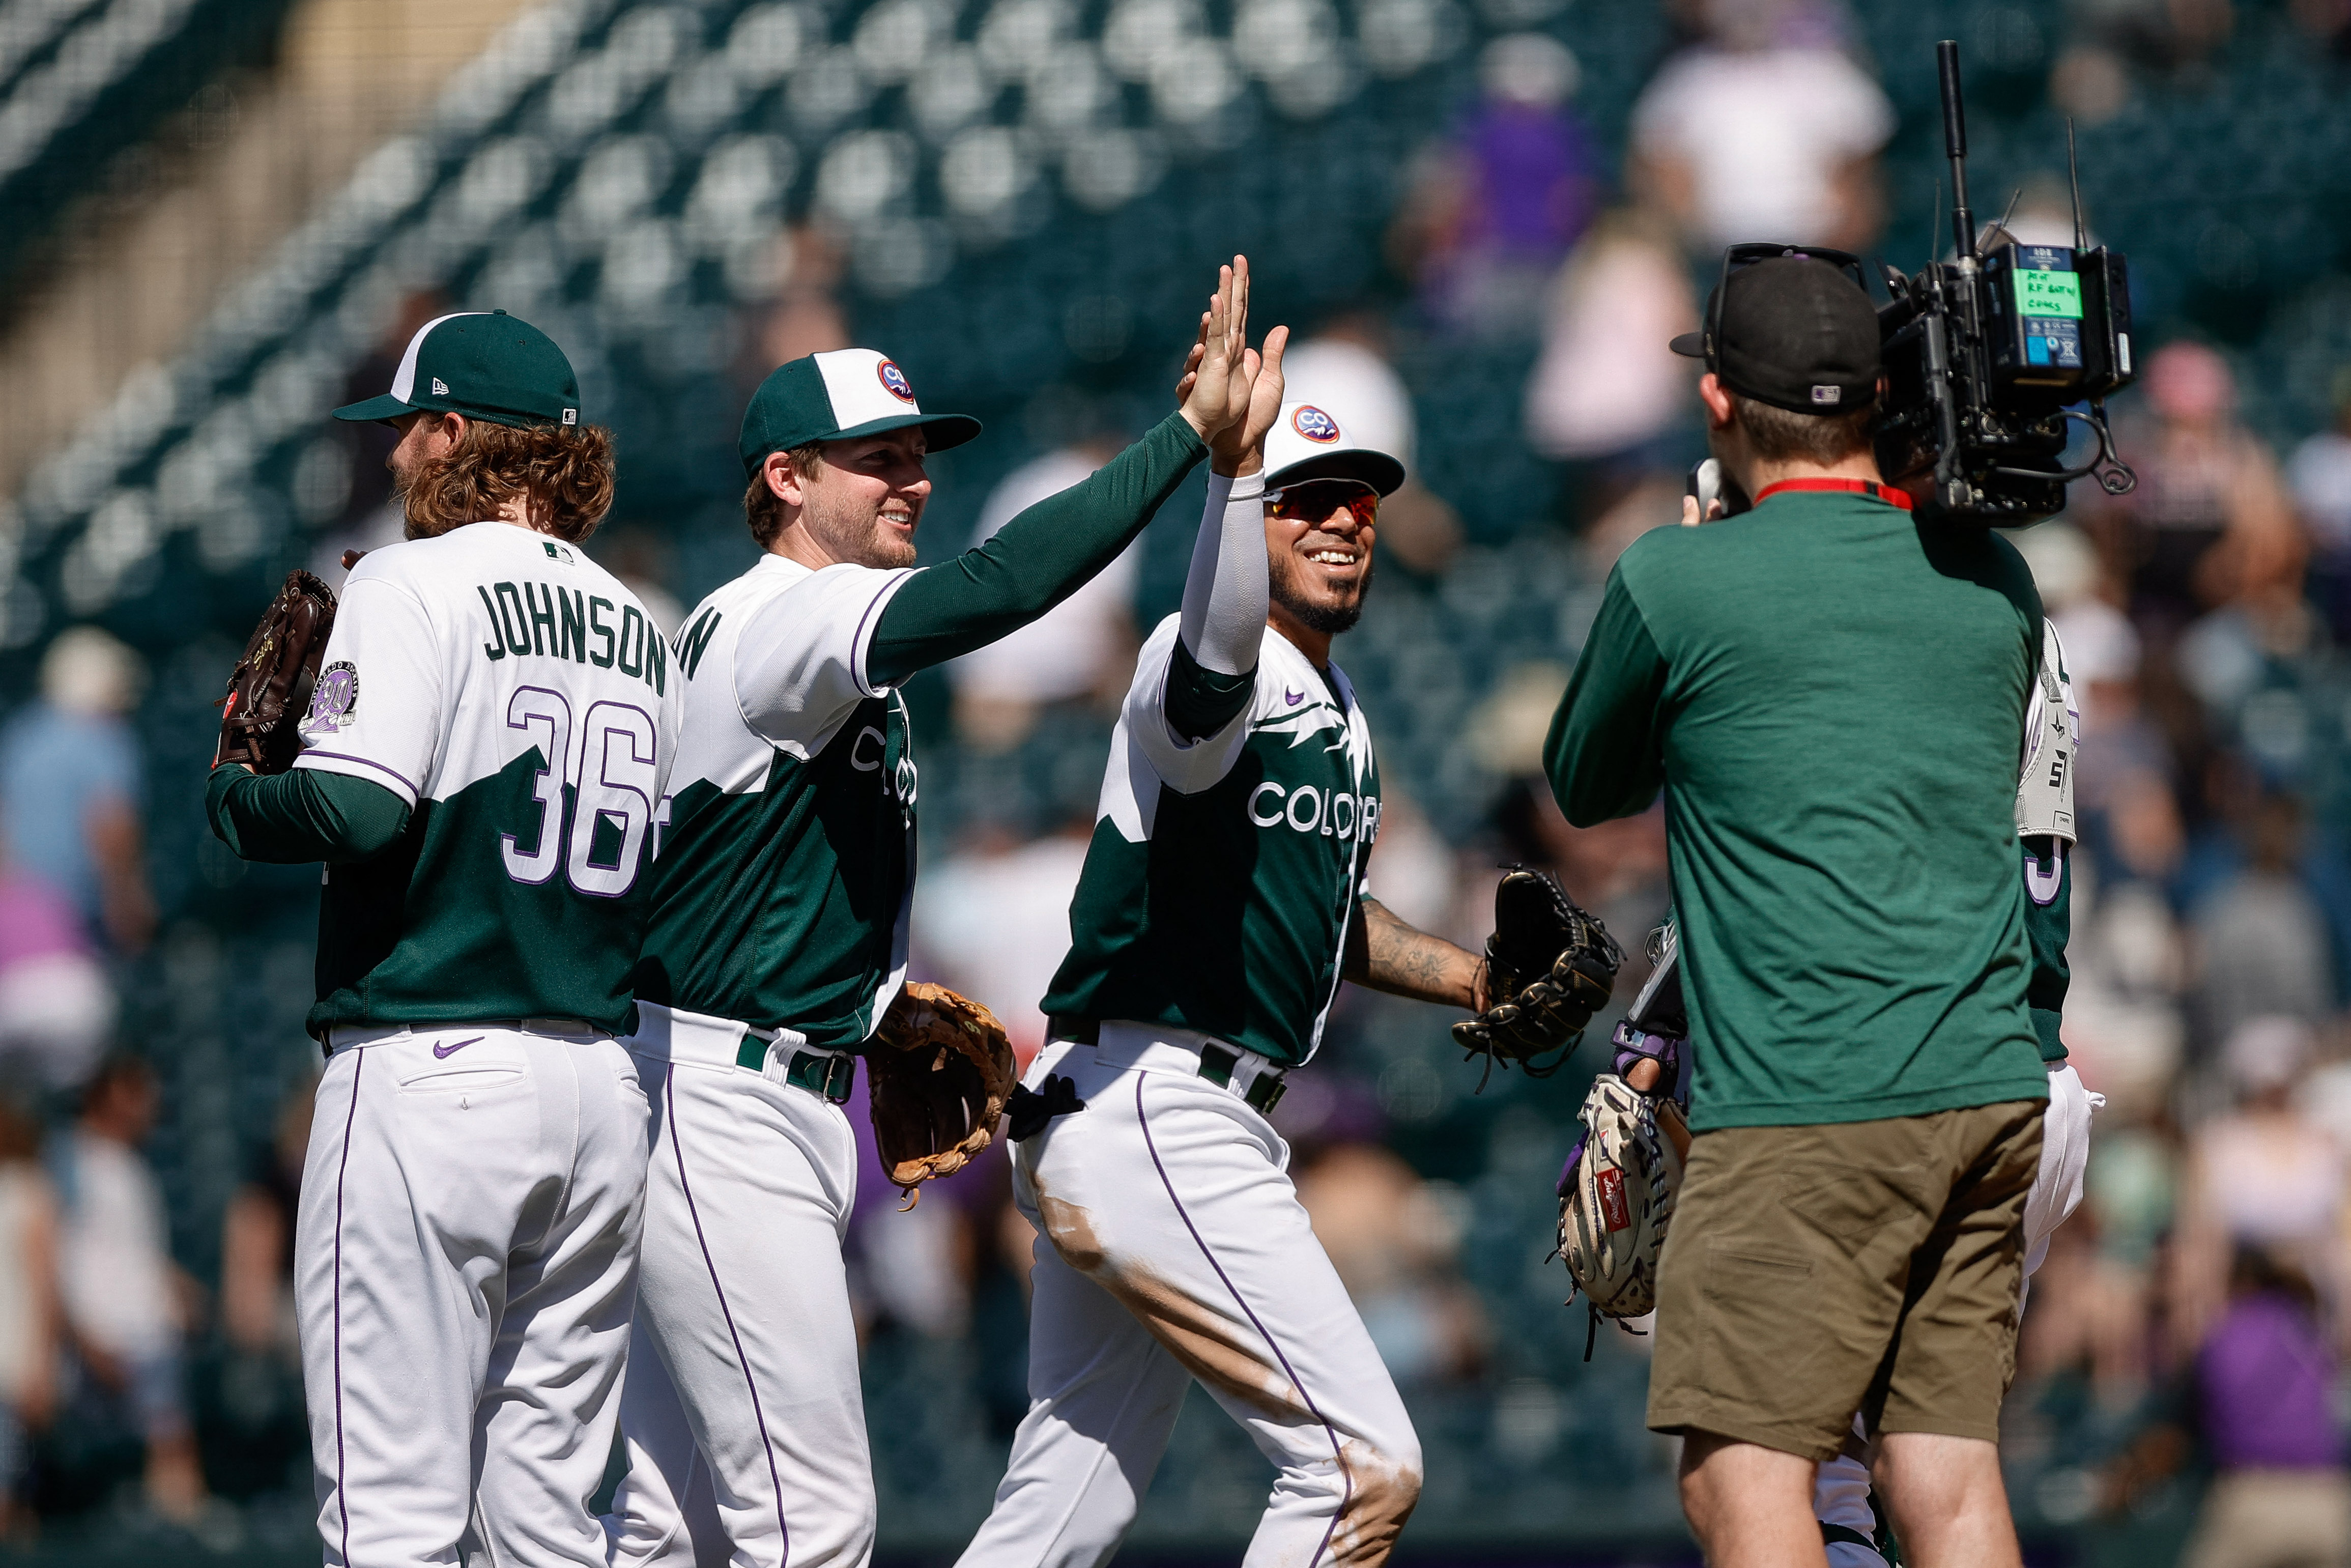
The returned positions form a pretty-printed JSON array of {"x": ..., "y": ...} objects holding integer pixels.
[{"x": 2115, "y": 477}]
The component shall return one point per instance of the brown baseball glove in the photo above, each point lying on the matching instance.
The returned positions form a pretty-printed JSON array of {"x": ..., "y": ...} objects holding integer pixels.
[
  {"x": 941, "y": 1070},
  {"x": 270, "y": 689}
]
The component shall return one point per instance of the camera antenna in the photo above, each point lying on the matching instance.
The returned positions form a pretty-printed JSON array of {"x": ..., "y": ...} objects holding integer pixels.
[
  {"x": 2073, "y": 177},
  {"x": 1955, "y": 146},
  {"x": 2001, "y": 227},
  {"x": 1935, "y": 225}
]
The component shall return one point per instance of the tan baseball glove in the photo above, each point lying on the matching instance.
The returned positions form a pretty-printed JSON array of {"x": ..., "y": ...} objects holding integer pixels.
[
  {"x": 1616, "y": 1197},
  {"x": 941, "y": 1070},
  {"x": 270, "y": 689}
]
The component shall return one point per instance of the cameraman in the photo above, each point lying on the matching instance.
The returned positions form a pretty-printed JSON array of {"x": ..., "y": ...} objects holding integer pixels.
[{"x": 1830, "y": 696}]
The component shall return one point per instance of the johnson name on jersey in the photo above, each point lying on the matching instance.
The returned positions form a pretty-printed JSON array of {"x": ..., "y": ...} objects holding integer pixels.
[
  {"x": 1223, "y": 874},
  {"x": 514, "y": 694},
  {"x": 788, "y": 846}
]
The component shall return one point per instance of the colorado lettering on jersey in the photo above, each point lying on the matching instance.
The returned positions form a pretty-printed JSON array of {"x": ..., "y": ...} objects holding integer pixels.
[
  {"x": 1307, "y": 809},
  {"x": 537, "y": 621}
]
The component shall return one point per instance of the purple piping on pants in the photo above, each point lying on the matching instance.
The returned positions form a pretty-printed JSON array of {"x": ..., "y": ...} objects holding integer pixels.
[
  {"x": 1347, "y": 1477},
  {"x": 766, "y": 1444},
  {"x": 343, "y": 1484}
]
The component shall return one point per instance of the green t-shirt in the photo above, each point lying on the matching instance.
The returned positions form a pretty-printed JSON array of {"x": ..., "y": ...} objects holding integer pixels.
[
  {"x": 1224, "y": 868},
  {"x": 1831, "y": 695}
]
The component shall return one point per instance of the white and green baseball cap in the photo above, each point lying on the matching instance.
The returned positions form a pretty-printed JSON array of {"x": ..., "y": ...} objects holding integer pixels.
[
  {"x": 483, "y": 364},
  {"x": 1306, "y": 442},
  {"x": 837, "y": 396}
]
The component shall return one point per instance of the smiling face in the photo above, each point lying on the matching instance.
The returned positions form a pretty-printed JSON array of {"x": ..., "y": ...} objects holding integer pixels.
[
  {"x": 1319, "y": 537},
  {"x": 863, "y": 502}
]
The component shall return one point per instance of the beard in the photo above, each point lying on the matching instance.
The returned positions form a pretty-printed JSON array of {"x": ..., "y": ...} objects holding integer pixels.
[
  {"x": 857, "y": 534},
  {"x": 1330, "y": 619}
]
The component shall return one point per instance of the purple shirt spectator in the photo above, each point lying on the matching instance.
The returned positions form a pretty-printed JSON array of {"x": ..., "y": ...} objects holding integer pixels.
[{"x": 2265, "y": 1374}]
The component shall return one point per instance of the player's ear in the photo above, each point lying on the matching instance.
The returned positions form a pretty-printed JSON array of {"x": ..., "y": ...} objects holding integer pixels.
[
  {"x": 783, "y": 476},
  {"x": 1717, "y": 398}
]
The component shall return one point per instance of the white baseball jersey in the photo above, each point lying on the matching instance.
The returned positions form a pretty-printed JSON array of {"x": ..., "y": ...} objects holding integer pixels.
[
  {"x": 787, "y": 850},
  {"x": 513, "y": 693},
  {"x": 1223, "y": 874}
]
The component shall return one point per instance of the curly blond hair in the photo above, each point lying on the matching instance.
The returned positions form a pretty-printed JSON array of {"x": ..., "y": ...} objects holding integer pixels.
[{"x": 564, "y": 476}]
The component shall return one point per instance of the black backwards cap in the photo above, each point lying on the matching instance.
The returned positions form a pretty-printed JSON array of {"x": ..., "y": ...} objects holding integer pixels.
[{"x": 1792, "y": 328}]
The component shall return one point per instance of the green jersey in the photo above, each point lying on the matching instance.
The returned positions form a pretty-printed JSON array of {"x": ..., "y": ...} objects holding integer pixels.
[
  {"x": 1224, "y": 873},
  {"x": 787, "y": 848},
  {"x": 514, "y": 695},
  {"x": 1830, "y": 696}
]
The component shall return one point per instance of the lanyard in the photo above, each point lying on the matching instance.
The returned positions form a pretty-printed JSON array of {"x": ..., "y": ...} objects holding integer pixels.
[{"x": 1869, "y": 487}]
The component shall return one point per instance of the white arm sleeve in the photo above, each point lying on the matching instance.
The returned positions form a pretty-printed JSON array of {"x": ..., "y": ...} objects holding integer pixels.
[{"x": 1228, "y": 591}]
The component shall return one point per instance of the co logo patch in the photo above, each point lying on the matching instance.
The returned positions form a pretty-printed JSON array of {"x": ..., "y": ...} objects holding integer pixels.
[
  {"x": 896, "y": 380},
  {"x": 1314, "y": 424}
]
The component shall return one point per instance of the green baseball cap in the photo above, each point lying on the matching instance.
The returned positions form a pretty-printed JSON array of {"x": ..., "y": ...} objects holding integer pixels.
[
  {"x": 834, "y": 397},
  {"x": 484, "y": 365}
]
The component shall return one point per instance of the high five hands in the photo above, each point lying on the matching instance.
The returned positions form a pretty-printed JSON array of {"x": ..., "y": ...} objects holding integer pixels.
[{"x": 1230, "y": 394}]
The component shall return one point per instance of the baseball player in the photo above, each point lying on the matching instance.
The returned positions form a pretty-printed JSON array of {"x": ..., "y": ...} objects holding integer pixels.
[
  {"x": 480, "y": 768},
  {"x": 1221, "y": 905},
  {"x": 778, "y": 936}
]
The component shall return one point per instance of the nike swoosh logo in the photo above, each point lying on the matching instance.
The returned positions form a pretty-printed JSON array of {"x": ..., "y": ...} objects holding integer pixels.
[
  {"x": 446, "y": 1051},
  {"x": 1292, "y": 698}
]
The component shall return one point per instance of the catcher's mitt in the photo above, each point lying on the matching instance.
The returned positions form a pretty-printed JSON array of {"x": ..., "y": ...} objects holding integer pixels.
[
  {"x": 1616, "y": 1196},
  {"x": 270, "y": 689},
  {"x": 941, "y": 1070},
  {"x": 1550, "y": 966}
]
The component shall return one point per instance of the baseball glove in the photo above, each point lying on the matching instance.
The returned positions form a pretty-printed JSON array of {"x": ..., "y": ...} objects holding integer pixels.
[
  {"x": 269, "y": 690},
  {"x": 1550, "y": 966},
  {"x": 941, "y": 1070},
  {"x": 1616, "y": 1196}
]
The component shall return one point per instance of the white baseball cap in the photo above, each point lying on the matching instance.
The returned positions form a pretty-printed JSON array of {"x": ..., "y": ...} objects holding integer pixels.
[{"x": 1307, "y": 443}]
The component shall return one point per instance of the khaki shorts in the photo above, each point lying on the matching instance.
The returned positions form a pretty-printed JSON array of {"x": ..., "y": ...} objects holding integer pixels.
[{"x": 1870, "y": 1266}]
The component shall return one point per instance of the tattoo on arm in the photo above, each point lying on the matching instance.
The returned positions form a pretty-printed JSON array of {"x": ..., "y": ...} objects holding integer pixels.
[{"x": 1387, "y": 955}]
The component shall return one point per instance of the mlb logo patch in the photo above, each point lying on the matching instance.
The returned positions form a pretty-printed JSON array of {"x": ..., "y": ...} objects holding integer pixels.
[
  {"x": 1314, "y": 424},
  {"x": 895, "y": 380},
  {"x": 1828, "y": 395}
]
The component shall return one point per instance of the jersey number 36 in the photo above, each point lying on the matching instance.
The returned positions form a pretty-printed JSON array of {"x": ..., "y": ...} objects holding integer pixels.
[{"x": 612, "y": 779}]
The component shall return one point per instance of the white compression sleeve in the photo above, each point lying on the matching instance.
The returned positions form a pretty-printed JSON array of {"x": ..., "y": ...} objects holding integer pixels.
[{"x": 1227, "y": 590}]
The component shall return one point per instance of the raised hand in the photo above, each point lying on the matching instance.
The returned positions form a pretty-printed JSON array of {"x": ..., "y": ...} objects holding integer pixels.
[
  {"x": 1217, "y": 373},
  {"x": 1240, "y": 447}
]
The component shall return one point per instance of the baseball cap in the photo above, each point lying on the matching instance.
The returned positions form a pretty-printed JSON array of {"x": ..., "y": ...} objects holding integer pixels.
[
  {"x": 1790, "y": 327},
  {"x": 483, "y": 364},
  {"x": 1306, "y": 442},
  {"x": 836, "y": 396}
]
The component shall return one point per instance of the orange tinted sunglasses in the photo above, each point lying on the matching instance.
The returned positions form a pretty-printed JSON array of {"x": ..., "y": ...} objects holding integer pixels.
[{"x": 1316, "y": 500}]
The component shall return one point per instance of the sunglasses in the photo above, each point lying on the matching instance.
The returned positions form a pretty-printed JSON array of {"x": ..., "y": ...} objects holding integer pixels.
[
  {"x": 1317, "y": 499},
  {"x": 1739, "y": 257}
]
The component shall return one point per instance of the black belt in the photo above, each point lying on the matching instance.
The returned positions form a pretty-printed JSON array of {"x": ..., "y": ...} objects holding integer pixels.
[
  {"x": 820, "y": 1072},
  {"x": 1217, "y": 1063}
]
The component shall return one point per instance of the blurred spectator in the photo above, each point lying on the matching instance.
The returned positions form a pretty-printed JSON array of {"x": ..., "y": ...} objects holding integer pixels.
[
  {"x": 993, "y": 921},
  {"x": 1766, "y": 131},
  {"x": 2263, "y": 938},
  {"x": 55, "y": 1006},
  {"x": 2209, "y": 523},
  {"x": 1411, "y": 869},
  {"x": 801, "y": 312},
  {"x": 2263, "y": 1175},
  {"x": 1081, "y": 650},
  {"x": 257, "y": 1293},
  {"x": 1344, "y": 369},
  {"x": 28, "y": 1305},
  {"x": 1607, "y": 388},
  {"x": 70, "y": 783},
  {"x": 2265, "y": 1382},
  {"x": 1394, "y": 1244},
  {"x": 124, "y": 1300},
  {"x": 1490, "y": 215},
  {"x": 2320, "y": 475}
]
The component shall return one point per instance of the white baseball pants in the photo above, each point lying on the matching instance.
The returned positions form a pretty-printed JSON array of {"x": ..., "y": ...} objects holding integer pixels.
[
  {"x": 744, "y": 1416},
  {"x": 1840, "y": 1491},
  {"x": 1172, "y": 1245},
  {"x": 464, "y": 1259}
]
